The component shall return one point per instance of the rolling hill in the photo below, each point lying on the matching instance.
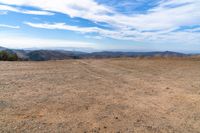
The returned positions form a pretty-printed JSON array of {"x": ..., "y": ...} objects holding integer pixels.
[{"x": 44, "y": 55}]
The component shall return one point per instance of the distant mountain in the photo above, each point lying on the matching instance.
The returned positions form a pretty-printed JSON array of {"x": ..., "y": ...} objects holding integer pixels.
[
  {"x": 2, "y": 48},
  {"x": 108, "y": 54},
  {"x": 74, "y": 49},
  {"x": 22, "y": 54},
  {"x": 7, "y": 50},
  {"x": 44, "y": 55}
]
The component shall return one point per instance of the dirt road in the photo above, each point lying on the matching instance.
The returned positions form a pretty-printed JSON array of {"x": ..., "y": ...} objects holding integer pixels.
[{"x": 108, "y": 95}]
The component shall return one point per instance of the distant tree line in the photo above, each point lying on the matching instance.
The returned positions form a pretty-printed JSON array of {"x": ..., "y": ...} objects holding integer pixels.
[{"x": 6, "y": 56}]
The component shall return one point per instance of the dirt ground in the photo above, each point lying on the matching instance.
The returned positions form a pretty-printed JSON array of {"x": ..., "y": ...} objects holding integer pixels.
[{"x": 105, "y": 95}]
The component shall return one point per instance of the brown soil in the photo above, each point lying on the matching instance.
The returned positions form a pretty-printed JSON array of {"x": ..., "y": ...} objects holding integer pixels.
[{"x": 108, "y": 95}]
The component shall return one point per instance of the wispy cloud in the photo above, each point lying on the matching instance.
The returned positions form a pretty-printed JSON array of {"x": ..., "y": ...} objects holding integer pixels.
[
  {"x": 31, "y": 12},
  {"x": 9, "y": 26},
  {"x": 161, "y": 17},
  {"x": 157, "y": 24},
  {"x": 83, "y": 30},
  {"x": 63, "y": 26},
  {"x": 70, "y": 7},
  {"x": 169, "y": 35}
]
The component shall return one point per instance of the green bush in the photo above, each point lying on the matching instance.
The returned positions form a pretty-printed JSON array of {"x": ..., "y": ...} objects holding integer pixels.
[{"x": 6, "y": 56}]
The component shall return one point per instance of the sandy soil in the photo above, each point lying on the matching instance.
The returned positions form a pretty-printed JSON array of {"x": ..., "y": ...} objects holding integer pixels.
[{"x": 108, "y": 96}]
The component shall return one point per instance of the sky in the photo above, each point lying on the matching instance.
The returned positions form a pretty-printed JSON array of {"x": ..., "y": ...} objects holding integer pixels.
[{"x": 121, "y": 25}]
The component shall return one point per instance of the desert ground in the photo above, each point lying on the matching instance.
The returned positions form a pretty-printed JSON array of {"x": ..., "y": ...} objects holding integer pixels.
[{"x": 101, "y": 96}]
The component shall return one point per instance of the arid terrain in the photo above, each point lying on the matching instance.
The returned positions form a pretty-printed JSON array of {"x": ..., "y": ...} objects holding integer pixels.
[{"x": 105, "y": 95}]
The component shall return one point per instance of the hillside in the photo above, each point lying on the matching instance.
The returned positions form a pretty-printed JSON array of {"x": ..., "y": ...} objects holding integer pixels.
[
  {"x": 45, "y": 55},
  {"x": 2, "y": 48},
  {"x": 109, "y": 54}
]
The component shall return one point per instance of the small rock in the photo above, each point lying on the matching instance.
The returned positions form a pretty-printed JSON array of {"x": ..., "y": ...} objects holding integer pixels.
[
  {"x": 87, "y": 108},
  {"x": 167, "y": 88},
  {"x": 138, "y": 120}
]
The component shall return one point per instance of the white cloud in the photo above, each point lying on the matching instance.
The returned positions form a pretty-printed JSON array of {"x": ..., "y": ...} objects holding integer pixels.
[
  {"x": 9, "y": 26},
  {"x": 71, "y": 7},
  {"x": 159, "y": 18},
  {"x": 194, "y": 30},
  {"x": 32, "y": 12},
  {"x": 156, "y": 24},
  {"x": 168, "y": 35},
  {"x": 83, "y": 30},
  {"x": 63, "y": 26}
]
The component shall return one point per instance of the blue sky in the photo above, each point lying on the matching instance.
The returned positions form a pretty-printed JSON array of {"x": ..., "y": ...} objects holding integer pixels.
[{"x": 123, "y": 25}]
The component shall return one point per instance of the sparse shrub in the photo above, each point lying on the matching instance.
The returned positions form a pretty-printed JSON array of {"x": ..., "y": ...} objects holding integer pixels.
[
  {"x": 3, "y": 55},
  {"x": 6, "y": 56},
  {"x": 12, "y": 57}
]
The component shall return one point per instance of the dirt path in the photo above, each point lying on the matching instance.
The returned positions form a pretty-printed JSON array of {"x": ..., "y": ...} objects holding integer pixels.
[{"x": 108, "y": 95}]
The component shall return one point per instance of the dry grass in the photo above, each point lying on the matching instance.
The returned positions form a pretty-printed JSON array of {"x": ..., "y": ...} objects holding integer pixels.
[{"x": 108, "y": 95}]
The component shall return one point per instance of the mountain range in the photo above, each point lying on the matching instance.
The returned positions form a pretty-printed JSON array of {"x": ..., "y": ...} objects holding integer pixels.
[{"x": 44, "y": 55}]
